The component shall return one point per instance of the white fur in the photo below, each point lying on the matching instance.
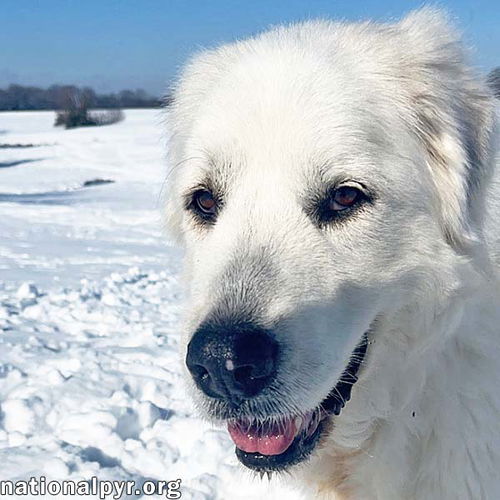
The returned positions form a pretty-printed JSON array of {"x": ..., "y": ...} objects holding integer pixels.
[{"x": 396, "y": 107}]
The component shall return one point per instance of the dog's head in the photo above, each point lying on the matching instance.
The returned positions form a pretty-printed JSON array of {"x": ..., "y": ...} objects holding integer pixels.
[{"x": 326, "y": 181}]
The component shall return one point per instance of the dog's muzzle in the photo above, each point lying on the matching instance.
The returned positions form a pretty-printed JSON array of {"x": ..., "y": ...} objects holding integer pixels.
[{"x": 235, "y": 363}]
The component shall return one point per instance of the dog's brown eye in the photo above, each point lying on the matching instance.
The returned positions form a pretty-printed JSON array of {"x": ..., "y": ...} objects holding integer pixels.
[
  {"x": 344, "y": 197},
  {"x": 205, "y": 202},
  {"x": 340, "y": 203}
]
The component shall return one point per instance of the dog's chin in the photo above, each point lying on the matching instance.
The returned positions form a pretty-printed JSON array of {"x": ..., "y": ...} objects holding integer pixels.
[{"x": 278, "y": 443}]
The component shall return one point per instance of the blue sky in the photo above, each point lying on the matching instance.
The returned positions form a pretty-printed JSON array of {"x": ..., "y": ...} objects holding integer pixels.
[{"x": 111, "y": 44}]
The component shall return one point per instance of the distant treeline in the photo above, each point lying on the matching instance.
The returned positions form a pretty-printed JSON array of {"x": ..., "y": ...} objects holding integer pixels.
[{"x": 19, "y": 97}]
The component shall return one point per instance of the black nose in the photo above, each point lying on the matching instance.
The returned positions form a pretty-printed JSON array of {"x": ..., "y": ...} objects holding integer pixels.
[{"x": 232, "y": 362}]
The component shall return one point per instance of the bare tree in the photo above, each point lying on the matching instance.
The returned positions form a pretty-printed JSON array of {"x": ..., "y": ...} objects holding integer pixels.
[{"x": 75, "y": 108}]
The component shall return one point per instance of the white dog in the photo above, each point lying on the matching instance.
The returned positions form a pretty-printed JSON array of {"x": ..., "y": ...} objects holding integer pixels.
[{"x": 332, "y": 185}]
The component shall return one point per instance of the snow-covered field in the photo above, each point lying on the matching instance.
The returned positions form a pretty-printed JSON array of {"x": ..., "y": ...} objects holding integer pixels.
[{"x": 90, "y": 305}]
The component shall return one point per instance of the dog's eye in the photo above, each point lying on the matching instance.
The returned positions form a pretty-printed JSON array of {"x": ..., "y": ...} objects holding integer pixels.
[
  {"x": 340, "y": 203},
  {"x": 344, "y": 197},
  {"x": 205, "y": 202}
]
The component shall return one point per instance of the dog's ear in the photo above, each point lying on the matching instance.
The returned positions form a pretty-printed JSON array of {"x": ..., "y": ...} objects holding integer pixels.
[{"x": 453, "y": 118}]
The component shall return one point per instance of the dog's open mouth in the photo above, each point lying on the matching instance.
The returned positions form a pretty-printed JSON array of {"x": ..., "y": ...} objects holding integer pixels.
[{"x": 279, "y": 443}]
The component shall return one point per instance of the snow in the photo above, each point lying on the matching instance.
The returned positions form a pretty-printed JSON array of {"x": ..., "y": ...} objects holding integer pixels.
[{"x": 90, "y": 306}]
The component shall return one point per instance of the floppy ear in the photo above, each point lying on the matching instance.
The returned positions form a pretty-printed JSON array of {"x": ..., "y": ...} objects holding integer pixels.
[{"x": 454, "y": 119}]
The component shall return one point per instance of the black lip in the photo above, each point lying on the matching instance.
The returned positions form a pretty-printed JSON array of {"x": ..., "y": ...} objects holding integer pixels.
[
  {"x": 341, "y": 393},
  {"x": 302, "y": 446},
  {"x": 298, "y": 451}
]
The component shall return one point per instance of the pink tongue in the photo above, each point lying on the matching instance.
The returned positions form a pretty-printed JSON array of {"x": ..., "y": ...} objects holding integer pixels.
[{"x": 267, "y": 440}]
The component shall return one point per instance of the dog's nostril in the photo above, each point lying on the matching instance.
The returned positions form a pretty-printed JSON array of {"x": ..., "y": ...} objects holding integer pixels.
[
  {"x": 200, "y": 372},
  {"x": 243, "y": 373},
  {"x": 249, "y": 380},
  {"x": 205, "y": 381}
]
